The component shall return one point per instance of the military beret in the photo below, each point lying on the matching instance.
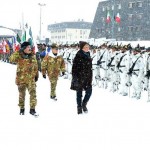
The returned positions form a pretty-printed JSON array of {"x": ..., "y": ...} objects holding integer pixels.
[{"x": 25, "y": 44}]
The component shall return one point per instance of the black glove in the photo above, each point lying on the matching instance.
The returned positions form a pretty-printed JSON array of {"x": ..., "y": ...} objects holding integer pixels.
[
  {"x": 36, "y": 78},
  {"x": 147, "y": 74},
  {"x": 44, "y": 76},
  {"x": 98, "y": 62},
  {"x": 63, "y": 73},
  {"x": 130, "y": 71}
]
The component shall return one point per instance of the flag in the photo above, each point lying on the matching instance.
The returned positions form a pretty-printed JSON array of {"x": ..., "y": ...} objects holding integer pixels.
[
  {"x": 16, "y": 44},
  {"x": 18, "y": 38},
  {"x": 24, "y": 36},
  {"x": 30, "y": 33},
  {"x": 30, "y": 40},
  {"x": 117, "y": 18},
  {"x": 108, "y": 19}
]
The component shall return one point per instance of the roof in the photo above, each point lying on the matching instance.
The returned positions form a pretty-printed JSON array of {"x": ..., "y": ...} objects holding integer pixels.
[
  {"x": 72, "y": 25},
  {"x": 6, "y": 32}
]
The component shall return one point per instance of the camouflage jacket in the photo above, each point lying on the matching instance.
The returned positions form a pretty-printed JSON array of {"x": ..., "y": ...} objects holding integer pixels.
[
  {"x": 52, "y": 65},
  {"x": 27, "y": 69}
]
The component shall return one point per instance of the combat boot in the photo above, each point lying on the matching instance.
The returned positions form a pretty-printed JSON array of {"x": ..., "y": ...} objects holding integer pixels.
[
  {"x": 33, "y": 112},
  {"x": 79, "y": 110},
  {"x": 54, "y": 98},
  {"x": 22, "y": 110}
]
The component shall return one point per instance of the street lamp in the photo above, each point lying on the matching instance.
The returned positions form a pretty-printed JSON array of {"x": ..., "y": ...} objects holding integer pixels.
[{"x": 41, "y": 5}]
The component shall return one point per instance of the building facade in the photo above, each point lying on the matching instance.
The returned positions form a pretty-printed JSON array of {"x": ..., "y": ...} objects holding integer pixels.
[
  {"x": 134, "y": 23},
  {"x": 69, "y": 32}
]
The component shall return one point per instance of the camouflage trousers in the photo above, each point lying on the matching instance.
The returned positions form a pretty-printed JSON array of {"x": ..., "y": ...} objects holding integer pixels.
[
  {"x": 31, "y": 87},
  {"x": 53, "y": 82}
]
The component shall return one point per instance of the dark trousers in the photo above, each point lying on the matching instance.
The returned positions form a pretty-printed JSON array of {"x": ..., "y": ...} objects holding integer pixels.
[{"x": 86, "y": 98}]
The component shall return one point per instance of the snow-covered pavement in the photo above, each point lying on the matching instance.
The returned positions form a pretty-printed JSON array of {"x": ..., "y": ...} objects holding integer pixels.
[{"x": 114, "y": 122}]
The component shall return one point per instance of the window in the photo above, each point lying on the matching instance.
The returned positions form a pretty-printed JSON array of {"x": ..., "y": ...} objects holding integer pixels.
[
  {"x": 112, "y": 7},
  {"x": 131, "y": 4},
  {"x": 119, "y": 6},
  {"x": 130, "y": 28},
  {"x": 103, "y": 19},
  {"x": 139, "y": 16},
  {"x": 139, "y": 38},
  {"x": 138, "y": 28},
  {"x": 108, "y": 8},
  {"x": 139, "y": 4},
  {"x": 103, "y": 8},
  {"x": 130, "y": 16}
]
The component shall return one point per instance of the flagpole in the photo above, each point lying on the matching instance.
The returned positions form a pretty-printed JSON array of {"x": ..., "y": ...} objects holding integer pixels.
[
  {"x": 22, "y": 28},
  {"x": 41, "y": 17}
]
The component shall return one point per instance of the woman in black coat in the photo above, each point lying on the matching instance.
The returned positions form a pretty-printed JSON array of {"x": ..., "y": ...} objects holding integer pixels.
[{"x": 82, "y": 76}]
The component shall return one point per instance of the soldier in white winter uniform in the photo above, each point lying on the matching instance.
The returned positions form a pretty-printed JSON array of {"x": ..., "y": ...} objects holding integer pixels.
[
  {"x": 123, "y": 68},
  {"x": 94, "y": 57},
  {"x": 102, "y": 62},
  {"x": 113, "y": 70},
  {"x": 137, "y": 73},
  {"x": 147, "y": 73}
]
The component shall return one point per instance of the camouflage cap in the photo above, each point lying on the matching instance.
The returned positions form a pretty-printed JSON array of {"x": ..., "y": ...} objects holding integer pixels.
[
  {"x": 54, "y": 45},
  {"x": 148, "y": 49},
  {"x": 137, "y": 49}
]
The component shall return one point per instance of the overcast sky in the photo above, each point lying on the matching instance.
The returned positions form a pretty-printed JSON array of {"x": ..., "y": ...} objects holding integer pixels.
[{"x": 11, "y": 12}]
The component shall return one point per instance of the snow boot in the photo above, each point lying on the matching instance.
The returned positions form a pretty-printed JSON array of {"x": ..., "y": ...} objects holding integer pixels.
[
  {"x": 79, "y": 110},
  {"x": 22, "y": 110},
  {"x": 84, "y": 107}
]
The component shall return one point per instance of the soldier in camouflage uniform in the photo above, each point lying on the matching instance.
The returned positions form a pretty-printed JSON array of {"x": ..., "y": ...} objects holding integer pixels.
[
  {"x": 26, "y": 76},
  {"x": 52, "y": 64}
]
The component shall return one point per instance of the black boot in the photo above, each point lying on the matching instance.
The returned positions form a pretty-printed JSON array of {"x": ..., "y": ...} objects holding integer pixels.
[
  {"x": 84, "y": 107},
  {"x": 33, "y": 112},
  {"x": 79, "y": 109},
  {"x": 22, "y": 110},
  {"x": 54, "y": 98}
]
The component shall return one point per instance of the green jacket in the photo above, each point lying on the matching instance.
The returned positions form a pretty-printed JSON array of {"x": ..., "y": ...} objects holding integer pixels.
[
  {"x": 52, "y": 65},
  {"x": 27, "y": 68}
]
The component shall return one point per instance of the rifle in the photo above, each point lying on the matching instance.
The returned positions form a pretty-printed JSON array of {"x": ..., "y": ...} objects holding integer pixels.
[
  {"x": 147, "y": 71},
  {"x": 132, "y": 67},
  {"x": 112, "y": 58},
  {"x": 68, "y": 58},
  {"x": 118, "y": 65},
  {"x": 99, "y": 61}
]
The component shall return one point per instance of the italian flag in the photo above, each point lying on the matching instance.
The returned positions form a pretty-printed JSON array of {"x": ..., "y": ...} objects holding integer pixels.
[
  {"x": 117, "y": 18},
  {"x": 108, "y": 19}
]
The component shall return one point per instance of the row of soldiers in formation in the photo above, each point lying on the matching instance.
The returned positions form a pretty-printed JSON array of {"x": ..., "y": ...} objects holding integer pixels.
[
  {"x": 121, "y": 69},
  {"x": 117, "y": 68}
]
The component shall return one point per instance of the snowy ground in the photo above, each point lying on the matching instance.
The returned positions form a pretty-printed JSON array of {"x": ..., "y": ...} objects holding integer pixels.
[{"x": 113, "y": 122}]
